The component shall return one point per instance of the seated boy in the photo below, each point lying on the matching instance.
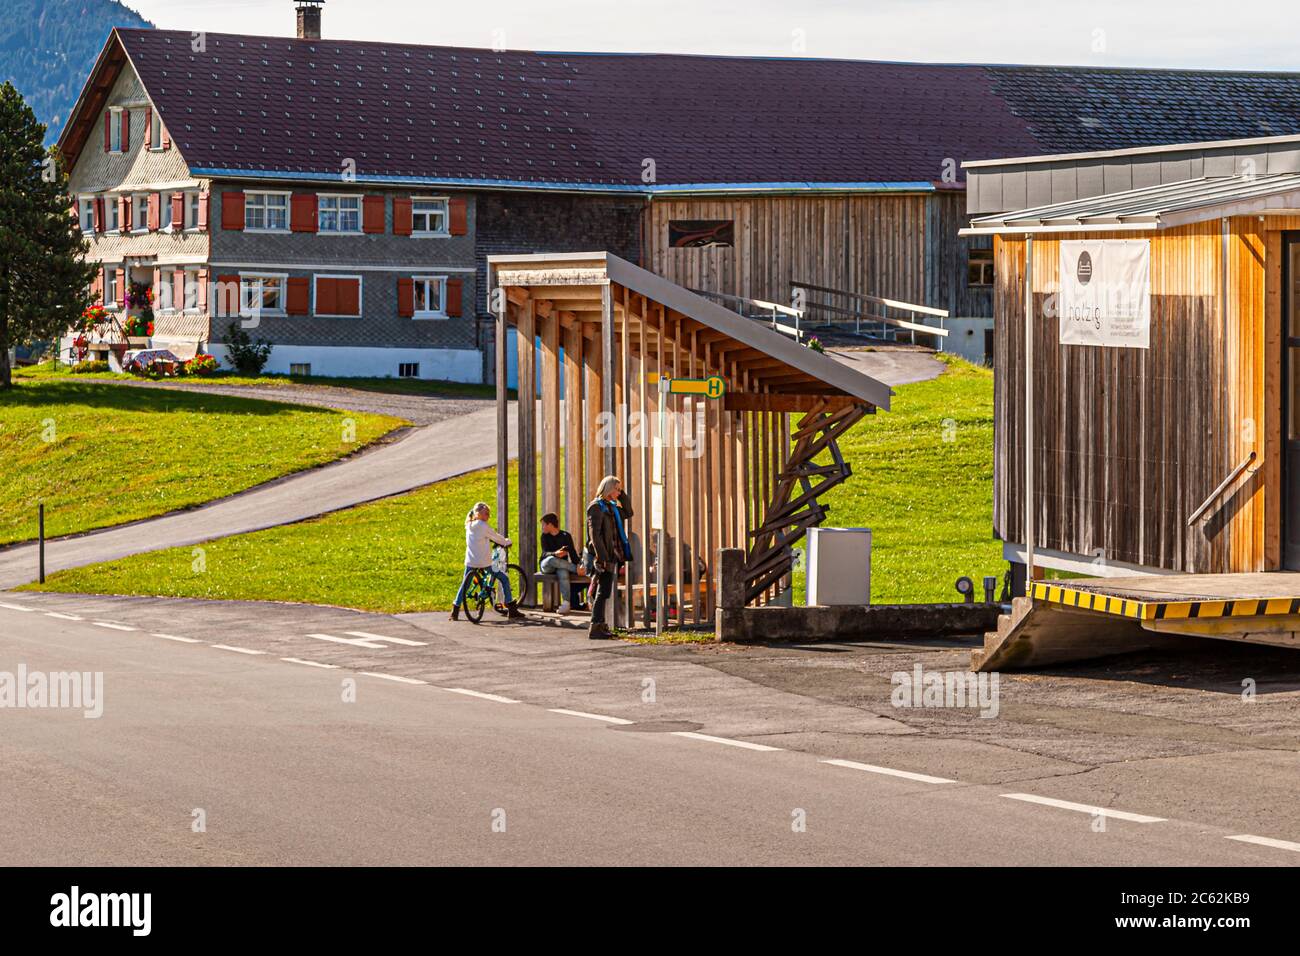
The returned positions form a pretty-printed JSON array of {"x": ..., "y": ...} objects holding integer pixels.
[{"x": 559, "y": 556}]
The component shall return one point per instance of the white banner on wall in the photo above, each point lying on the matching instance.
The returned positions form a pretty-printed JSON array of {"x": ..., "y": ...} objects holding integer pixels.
[{"x": 1106, "y": 292}]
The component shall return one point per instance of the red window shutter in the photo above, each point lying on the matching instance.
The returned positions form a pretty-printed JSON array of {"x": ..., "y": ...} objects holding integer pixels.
[
  {"x": 347, "y": 296},
  {"x": 455, "y": 292},
  {"x": 166, "y": 138},
  {"x": 402, "y": 224},
  {"x": 299, "y": 295},
  {"x": 124, "y": 214},
  {"x": 232, "y": 211},
  {"x": 178, "y": 289},
  {"x": 157, "y": 285},
  {"x": 201, "y": 300},
  {"x": 302, "y": 212},
  {"x": 126, "y": 130},
  {"x": 372, "y": 214},
  {"x": 405, "y": 296},
  {"x": 226, "y": 296},
  {"x": 119, "y": 276},
  {"x": 98, "y": 207},
  {"x": 148, "y": 127},
  {"x": 97, "y": 287},
  {"x": 108, "y": 130},
  {"x": 178, "y": 210},
  {"x": 326, "y": 297},
  {"x": 204, "y": 203},
  {"x": 458, "y": 210},
  {"x": 155, "y": 211}
]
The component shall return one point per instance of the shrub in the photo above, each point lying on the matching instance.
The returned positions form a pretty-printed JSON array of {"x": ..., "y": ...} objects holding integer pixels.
[
  {"x": 84, "y": 368},
  {"x": 246, "y": 356},
  {"x": 199, "y": 365}
]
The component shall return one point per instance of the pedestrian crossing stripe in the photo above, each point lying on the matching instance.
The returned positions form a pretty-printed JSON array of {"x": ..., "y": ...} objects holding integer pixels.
[{"x": 1162, "y": 610}]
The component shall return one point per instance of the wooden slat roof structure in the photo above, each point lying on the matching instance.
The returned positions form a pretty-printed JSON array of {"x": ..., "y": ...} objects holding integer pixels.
[{"x": 572, "y": 283}]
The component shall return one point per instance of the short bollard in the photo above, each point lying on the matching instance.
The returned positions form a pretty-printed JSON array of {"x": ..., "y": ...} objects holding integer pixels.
[{"x": 40, "y": 538}]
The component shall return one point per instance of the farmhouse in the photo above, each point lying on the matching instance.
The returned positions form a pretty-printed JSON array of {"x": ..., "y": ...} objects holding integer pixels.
[
  {"x": 343, "y": 197},
  {"x": 1147, "y": 375}
]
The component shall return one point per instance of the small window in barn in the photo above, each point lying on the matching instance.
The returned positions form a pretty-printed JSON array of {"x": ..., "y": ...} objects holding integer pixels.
[
  {"x": 979, "y": 267},
  {"x": 300, "y": 368},
  {"x": 408, "y": 369},
  {"x": 429, "y": 217},
  {"x": 701, "y": 233}
]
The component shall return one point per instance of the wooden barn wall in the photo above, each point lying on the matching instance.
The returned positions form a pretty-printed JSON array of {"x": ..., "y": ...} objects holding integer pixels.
[
  {"x": 946, "y": 281},
  {"x": 874, "y": 244},
  {"x": 1129, "y": 442}
]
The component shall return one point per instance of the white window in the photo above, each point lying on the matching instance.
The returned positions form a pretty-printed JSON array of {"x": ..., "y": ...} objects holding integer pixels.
[
  {"x": 191, "y": 294},
  {"x": 155, "y": 131},
  {"x": 430, "y": 297},
  {"x": 140, "y": 210},
  {"x": 259, "y": 294},
  {"x": 191, "y": 210},
  {"x": 164, "y": 210},
  {"x": 266, "y": 211},
  {"x": 87, "y": 214},
  {"x": 112, "y": 211},
  {"x": 408, "y": 369},
  {"x": 111, "y": 297},
  {"x": 340, "y": 214},
  {"x": 115, "y": 130},
  {"x": 429, "y": 217}
]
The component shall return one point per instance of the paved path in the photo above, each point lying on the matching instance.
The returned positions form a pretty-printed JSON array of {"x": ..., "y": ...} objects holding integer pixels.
[{"x": 442, "y": 450}]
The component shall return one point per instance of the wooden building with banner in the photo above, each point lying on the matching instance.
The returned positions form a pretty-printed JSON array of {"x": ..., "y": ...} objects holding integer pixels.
[
  {"x": 723, "y": 431},
  {"x": 1147, "y": 377}
]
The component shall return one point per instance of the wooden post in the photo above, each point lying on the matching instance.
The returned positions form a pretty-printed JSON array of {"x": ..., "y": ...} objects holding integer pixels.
[
  {"x": 607, "y": 375},
  {"x": 550, "y": 335},
  {"x": 1029, "y": 412},
  {"x": 526, "y": 537},
  {"x": 503, "y": 414},
  {"x": 574, "y": 441}
]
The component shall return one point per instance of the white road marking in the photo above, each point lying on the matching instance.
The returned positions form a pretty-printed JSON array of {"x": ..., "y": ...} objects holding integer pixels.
[
  {"x": 579, "y": 713},
  {"x": 722, "y": 740},
  {"x": 390, "y": 640},
  {"x": 355, "y": 642},
  {"x": 63, "y": 617},
  {"x": 15, "y": 607},
  {"x": 399, "y": 679},
  {"x": 478, "y": 693},
  {"x": 1266, "y": 841},
  {"x": 299, "y": 660},
  {"x": 237, "y": 650},
  {"x": 183, "y": 640},
  {"x": 116, "y": 627},
  {"x": 889, "y": 771},
  {"x": 1084, "y": 808}
]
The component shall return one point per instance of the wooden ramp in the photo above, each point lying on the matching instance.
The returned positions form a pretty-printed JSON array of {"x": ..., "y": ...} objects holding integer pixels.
[{"x": 1091, "y": 618}]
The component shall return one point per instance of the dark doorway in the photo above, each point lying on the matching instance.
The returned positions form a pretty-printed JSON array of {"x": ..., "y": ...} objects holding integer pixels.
[{"x": 1291, "y": 402}]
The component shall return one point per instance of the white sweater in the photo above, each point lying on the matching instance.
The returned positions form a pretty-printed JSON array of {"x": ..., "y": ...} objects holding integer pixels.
[{"x": 478, "y": 538}]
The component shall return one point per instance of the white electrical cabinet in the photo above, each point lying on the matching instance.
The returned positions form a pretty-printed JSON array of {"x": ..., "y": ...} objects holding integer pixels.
[{"x": 839, "y": 566}]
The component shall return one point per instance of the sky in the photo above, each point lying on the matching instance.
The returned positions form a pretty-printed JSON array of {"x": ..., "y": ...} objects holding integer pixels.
[{"x": 1190, "y": 33}]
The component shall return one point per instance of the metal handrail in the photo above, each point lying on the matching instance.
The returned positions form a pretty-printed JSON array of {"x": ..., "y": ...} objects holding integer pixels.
[
  {"x": 773, "y": 309},
  {"x": 1222, "y": 487},
  {"x": 914, "y": 323}
]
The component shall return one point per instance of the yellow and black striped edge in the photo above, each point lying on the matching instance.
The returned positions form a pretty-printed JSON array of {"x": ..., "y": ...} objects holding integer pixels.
[{"x": 1162, "y": 610}]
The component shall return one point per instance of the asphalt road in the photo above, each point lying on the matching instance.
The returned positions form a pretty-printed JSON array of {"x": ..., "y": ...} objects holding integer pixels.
[{"x": 284, "y": 771}]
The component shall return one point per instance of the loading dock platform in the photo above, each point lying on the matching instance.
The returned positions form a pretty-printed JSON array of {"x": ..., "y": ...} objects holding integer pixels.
[{"x": 1080, "y": 619}]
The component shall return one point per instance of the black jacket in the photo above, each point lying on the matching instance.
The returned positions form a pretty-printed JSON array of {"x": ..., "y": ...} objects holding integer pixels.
[{"x": 602, "y": 533}]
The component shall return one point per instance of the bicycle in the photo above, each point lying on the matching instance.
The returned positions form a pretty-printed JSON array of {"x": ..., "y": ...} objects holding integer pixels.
[{"x": 484, "y": 588}]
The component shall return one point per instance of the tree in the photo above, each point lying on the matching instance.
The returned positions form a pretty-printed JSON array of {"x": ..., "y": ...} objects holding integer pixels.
[{"x": 44, "y": 276}]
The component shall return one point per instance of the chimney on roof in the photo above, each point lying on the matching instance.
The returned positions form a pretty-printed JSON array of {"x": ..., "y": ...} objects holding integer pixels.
[{"x": 309, "y": 19}]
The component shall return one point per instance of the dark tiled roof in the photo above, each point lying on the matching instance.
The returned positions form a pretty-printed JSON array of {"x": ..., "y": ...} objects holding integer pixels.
[
  {"x": 1073, "y": 109},
  {"x": 303, "y": 107}
]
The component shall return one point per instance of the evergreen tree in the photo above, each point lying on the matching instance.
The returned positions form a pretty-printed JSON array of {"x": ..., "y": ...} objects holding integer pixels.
[{"x": 44, "y": 276}]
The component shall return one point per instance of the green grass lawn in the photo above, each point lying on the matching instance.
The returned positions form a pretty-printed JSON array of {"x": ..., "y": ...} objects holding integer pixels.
[
  {"x": 390, "y": 386},
  {"x": 923, "y": 481},
  {"x": 98, "y": 454}
]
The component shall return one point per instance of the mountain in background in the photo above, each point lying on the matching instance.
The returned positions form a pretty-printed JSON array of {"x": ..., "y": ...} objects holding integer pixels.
[{"x": 47, "y": 48}]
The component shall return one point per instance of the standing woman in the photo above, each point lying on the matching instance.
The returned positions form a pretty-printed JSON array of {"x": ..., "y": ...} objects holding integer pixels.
[
  {"x": 607, "y": 517},
  {"x": 479, "y": 538}
]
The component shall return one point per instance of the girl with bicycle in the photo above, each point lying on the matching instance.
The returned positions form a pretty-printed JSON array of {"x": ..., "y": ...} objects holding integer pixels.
[{"x": 479, "y": 538}]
